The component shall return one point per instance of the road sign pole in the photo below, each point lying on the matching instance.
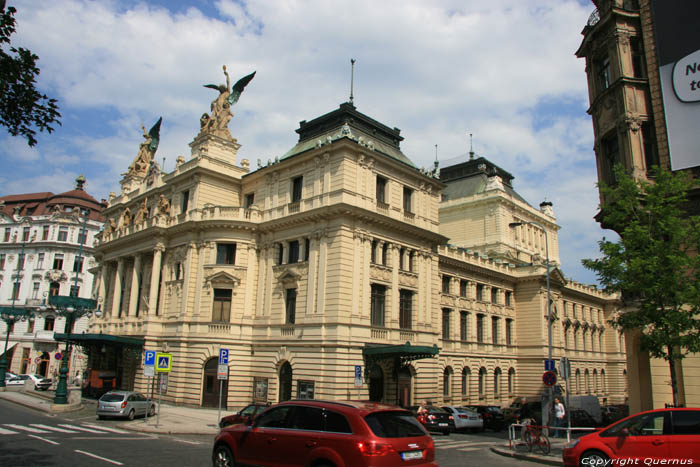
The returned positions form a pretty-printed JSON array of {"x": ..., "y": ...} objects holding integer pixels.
[
  {"x": 221, "y": 390},
  {"x": 158, "y": 416}
]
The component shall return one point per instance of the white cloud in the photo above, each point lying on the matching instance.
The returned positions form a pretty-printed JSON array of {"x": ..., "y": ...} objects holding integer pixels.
[{"x": 438, "y": 70}]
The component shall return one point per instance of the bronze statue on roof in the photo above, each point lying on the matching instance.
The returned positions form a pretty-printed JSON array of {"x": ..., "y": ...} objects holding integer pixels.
[{"x": 216, "y": 123}]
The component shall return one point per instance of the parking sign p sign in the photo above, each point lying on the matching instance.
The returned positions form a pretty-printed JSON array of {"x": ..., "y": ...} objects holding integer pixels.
[{"x": 223, "y": 356}]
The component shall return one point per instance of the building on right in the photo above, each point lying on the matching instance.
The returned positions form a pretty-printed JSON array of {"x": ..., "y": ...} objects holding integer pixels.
[{"x": 643, "y": 68}]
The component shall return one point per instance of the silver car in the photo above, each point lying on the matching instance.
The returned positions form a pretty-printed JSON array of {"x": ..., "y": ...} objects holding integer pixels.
[
  {"x": 465, "y": 419},
  {"x": 124, "y": 404}
]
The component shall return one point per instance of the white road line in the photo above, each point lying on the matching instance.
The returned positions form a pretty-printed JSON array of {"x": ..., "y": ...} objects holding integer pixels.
[
  {"x": 52, "y": 428},
  {"x": 468, "y": 449},
  {"x": 98, "y": 457},
  {"x": 44, "y": 440},
  {"x": 104, "y": 428},
  {"x": 7, "y": 432},
  {"x": 80, "y": 428},
  {"x": 186, "y": 441},
  {"x": 25, "y": 428}
]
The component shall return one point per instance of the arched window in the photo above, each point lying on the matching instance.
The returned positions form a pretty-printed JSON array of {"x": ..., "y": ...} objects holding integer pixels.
[
  {"x": 578, "y": 381},
  {"x": 446, "y": 381},
  {"x": 497, "y": 382},
  {"x": 596, "y": 382},
  {"x": 466, "y": 374},
  {"x": 603, "y": 382},
  {"x": 285, "y": 382},
  {"x": 482, "y": 382},
  {"x": 587, "y": 379},
  {"x": 511, "y": 381}
]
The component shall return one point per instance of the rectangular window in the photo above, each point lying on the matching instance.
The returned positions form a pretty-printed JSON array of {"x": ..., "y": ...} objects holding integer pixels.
[
  {"x": 373, "y": 253},
  {"x": 377, "y": 305},
  {"x": 405, "y": 309},
  {"x": 45, "y": 232},
  {"x": 464, "y": 326},
  {"x": 480, "y": 292},
  {"x": 74, "y": 290},
  {"x": 385, "y": 253},
  {"x": 494, "y": 329},
  {"x": 222, "y": 306},
  {"x": 307, "y": 247},
  {"x": 411, "y": 261},
  {"x": 185, "y": 201},
  {"x": 463, "y": 288},
  {"x": 651, "y": 155},
  {"x": 82, "y": 236},
  {"x": 35, "y": 290},
  {"x": 509, "y": 331},
  {"x": 7, "y": 234},
  {"x": 611, "y": 157},
  {"x": 494, "y": 295},
  {"x": 305, "y": 390},
  {"x": 446, "y": 323},
  {"x": 446, "y": 284},
  {"x": 296, "y": 189},
  {"x": 78, "y": 264},
  {"x": 291, "y": 306},
  {"x": 381, "y": 190},
  {"x": 20, "y": 261},
  {"x": 25, "y": 234},
  {"x": 30, "y": 326},
  {"x": 249, "y": 200},
  {"x": 58, "y": 261},
  {"x": 407, "y": 198},
  {"x": 294, "y": 251},
  {"x": 15, "y": 290},
  {"x": 62, "y": 234},
  {"x": 638, "y": 68},
  {"x": 509, "y": 298},
  {"x": 2, "y": 261},
  {"x": 480, "y": 328},
  {"x": 603, "y": 72},
  {"x": 225, "y": 253}
]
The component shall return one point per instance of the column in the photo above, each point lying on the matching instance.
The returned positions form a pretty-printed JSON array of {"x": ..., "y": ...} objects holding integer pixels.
[
  {"x": 155, "y": 278},
  {"x": 134, "y": 290},
  {"x": 102, "y": 287},
  {"x": 117, "y": 294}
]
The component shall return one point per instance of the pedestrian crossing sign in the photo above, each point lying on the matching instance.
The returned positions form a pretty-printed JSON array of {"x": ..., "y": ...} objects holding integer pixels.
[{"x": 163, "y": 362}]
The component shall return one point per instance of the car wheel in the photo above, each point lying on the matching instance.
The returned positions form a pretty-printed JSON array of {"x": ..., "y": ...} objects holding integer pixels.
[
  {"x": 223, "y": 457},
  {"x": 152, "y": 411},
  {"x": 593, "y": 457},
  {"x": 131, "y": 415}
]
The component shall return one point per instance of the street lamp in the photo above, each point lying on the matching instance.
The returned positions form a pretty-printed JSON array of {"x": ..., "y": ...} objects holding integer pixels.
[
  {"x": 549, "y": 301},
  {"x": 10, "y": 315},
  {"x": 72, "y": 308}
]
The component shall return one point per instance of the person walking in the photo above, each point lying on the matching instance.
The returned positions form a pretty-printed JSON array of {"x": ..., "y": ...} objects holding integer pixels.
[{"x": 559, "y": 414}]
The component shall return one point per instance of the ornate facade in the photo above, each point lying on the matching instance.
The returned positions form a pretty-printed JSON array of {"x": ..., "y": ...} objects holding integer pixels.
[{"x": 335, "y": 256}]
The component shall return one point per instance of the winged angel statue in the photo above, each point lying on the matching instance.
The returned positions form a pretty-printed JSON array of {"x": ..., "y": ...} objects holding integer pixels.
[
  {"x": 147, "y": 150},
  {"x": 217, "y": 122}
]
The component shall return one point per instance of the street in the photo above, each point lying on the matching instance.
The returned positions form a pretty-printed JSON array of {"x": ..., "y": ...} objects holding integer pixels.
[{"x": 29, "y": 438}]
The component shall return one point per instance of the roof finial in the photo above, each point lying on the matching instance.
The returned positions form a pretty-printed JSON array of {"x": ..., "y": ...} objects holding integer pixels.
[
  {"x": 352, "y": 78},
  {"x": 80, "y": 182},
  {"x": 471, "y": 148}
]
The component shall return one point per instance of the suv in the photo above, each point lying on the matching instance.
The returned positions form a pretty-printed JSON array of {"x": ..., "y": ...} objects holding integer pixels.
[{"x": 326, "y": 433}]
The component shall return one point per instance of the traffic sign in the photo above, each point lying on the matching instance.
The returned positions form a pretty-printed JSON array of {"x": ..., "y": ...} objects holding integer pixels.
[
  {"x": 549, "y": 364},
  {"x": 58, "y": 356},
  {"x": 358, "y": 376},
  {"x": 223, "y": 356},
  {"x": 149, "y": 358},
  {"x": 549, "y": 378},
  {"x": 163, "y": 362},
  {"x": 149, "y": 370},
  {"x": 564, "y": 368},
  {"x": 222, "y": 372}
]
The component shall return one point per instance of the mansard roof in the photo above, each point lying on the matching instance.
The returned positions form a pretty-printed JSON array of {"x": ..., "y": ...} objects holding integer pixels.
[{"x": 471, "y": 177}]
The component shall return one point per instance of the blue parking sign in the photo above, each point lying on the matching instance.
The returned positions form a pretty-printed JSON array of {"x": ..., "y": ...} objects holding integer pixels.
[
  {"x": 150, "y": 358},
  {"x": 223, "y": 356}
]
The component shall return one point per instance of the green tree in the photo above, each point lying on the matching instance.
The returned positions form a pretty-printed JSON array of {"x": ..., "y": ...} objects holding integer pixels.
[
  {"x": 22, "y": 107},
  {"x": 655, "y": 264}
]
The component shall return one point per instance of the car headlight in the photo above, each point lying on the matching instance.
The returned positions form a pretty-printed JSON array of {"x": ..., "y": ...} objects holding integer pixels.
[{"x": 571, "y": 444}]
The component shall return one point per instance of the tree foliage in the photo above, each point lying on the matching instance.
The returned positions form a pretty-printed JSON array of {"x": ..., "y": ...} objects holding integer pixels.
[
  {"x": 655, "y": 265},
  {"x": 22, "y": 107}
]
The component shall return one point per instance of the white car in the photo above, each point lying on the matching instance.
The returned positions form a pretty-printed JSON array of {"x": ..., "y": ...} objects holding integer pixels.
[
  {"x": 17, "y": 380},
  {"x": 8, "y": 375},
  {"x": 40, "y": 383},
  {"x": 465, "y": 419}
]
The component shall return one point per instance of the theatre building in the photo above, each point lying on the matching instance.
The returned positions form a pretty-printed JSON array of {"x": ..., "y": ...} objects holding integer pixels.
[{"x": 341, "y": 254}]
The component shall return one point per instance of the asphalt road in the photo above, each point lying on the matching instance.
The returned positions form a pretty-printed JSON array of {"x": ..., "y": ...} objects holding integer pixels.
[{"x": 29, "y": 438}]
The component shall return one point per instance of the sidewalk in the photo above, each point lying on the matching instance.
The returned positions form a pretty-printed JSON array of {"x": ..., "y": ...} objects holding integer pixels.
[
  {"x": 519, "y": 451},
  {"x": 172, "y": 419}
]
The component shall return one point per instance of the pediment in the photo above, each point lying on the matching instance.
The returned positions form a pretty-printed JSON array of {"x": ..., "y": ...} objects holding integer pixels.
[
  {"x": 222, "y": 277},
  {"x": 289, "y": 277}
]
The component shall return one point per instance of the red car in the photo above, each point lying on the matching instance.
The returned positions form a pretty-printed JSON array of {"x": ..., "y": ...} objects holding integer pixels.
[
  {"x": 328, "y": 434},
  {"x": 652, "y": 437},
  {"x": 246, "y": 414}
]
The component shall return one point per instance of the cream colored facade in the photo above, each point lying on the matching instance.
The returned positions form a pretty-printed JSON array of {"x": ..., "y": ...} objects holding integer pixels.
[
  {"x": 315, "y": 263},
  {"x": 629, "y": 126}
]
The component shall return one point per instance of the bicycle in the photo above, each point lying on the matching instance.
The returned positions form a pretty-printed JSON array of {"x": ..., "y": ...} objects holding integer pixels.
[{"x": 534, "y": 436}]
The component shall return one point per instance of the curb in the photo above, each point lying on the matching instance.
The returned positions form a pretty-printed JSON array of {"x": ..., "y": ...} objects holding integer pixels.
[{"x": 507, "y": 452}]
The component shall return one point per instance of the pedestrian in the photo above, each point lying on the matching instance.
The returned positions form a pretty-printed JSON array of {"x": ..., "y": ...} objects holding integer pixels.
[
  {"x": 423, "y": 409},
  {"x": 559, "y": 413}
]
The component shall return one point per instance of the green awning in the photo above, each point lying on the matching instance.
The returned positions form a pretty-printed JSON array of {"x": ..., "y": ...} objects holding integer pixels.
[
  {"x": 405, "y": 352},
  {"x": 100, "y": 338}
]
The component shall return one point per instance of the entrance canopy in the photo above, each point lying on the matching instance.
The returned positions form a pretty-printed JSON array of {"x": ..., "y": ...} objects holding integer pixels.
[
  {"x": 401, "y": 354},
  {"x": 86, "y": 339}
]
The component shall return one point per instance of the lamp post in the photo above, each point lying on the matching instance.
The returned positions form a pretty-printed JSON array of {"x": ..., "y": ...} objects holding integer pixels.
[
  {"x": 72, "y": 308},
  {"x": 10, "y": 315},
  {"x": 549, "y": 302}
]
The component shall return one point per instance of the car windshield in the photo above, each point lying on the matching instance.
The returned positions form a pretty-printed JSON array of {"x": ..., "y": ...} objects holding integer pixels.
[
  {"x": 463, "y": 410},
  {"x": 112, "y": 398},
  {"x": 394, "y": 425},
  {"x": 432, "y": 409}
]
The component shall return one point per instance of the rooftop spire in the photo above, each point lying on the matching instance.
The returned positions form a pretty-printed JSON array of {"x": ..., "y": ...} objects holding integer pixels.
[
  {"x": 471, "y": 148},
  {"x": 352, "y": 77}
]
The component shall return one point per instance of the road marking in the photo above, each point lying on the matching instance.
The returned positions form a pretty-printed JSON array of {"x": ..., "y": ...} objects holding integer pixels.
[
  {"x": 7, "y": 432},
  {"x": 468, "y": 449},
  {"x": 186, "y": 441},
  {"x": 44, "y": 440},
  {"x": 80, "y": 428},
  {"x": 52, "y": 428},
  {"x": 95, "y": 456},
  {"x": 104, "y": 428},
  {"x": 25, "y": 428}
]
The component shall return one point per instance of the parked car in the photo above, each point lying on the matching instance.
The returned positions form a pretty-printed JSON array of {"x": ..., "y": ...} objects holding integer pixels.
[
  {"x": 435, "y": 419},
  {"x": 40, "y": 382},
  {"x": 17, "y": 380},
  {"x": 323, "y": 433},
  {"x": 9, "y": 374},
  {"x": 124, "y": 404},
  {"x": 246, "y": 414},
  {"x": 613, "y": 413},
  {"x": 465, "y": 419},
  {"x": 492, "y": 415},
  {"x": 581, "y": 418},
  {"x": 666, "y": 436}
]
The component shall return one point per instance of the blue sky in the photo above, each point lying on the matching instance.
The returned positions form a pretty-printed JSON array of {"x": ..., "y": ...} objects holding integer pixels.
[{"x": 503, "y": 70}]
